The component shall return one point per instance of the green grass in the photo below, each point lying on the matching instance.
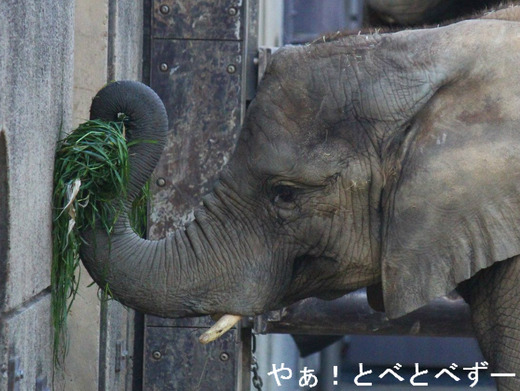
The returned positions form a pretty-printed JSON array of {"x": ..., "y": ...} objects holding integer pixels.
[{"x": 90, "y": 181}]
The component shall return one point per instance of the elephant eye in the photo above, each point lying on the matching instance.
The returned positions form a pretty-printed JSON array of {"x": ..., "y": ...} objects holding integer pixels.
[{"x": 283, "y": 193}]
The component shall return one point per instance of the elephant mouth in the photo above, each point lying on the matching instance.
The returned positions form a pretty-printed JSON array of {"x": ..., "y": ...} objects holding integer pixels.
[{"x": 227, "y": 321}]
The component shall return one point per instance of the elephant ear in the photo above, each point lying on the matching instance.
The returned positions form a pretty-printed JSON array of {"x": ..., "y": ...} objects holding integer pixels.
[{"x": 453, "y": 200}]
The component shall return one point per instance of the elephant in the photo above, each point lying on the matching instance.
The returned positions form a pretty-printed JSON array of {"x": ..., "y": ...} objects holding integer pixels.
[
  {"x": 389, "y": 159},
  {"x": 422, "y": 12}
]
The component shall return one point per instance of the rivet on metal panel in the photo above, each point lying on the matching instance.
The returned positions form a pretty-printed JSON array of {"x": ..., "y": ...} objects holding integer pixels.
[
  {"x": 164, "y": 9},
  {"x": 224, "y": 356},
  {"x": 161, "y": 182},
  {"x": 163, "y": 67},
  {"x": 157, "y": 355},
  {"x": 232, "y": 11},
  {"x": 231, "y": 68}
]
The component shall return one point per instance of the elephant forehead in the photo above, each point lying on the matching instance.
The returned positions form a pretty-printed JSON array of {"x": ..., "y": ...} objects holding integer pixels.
[
  {"x": 288, "y": 154},
  {"x": 275, "y": 153},
  {"x": 271, "y": 136}
]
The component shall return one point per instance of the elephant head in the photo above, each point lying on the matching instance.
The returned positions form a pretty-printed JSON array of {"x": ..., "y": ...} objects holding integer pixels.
[{"x": 383, "y": 158}]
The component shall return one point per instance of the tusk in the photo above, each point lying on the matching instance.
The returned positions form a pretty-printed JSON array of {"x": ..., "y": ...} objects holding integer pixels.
[{"x": 219, "y": 328}]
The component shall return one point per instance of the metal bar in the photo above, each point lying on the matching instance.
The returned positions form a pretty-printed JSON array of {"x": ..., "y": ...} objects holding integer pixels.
[
  {"x": 351, "y": 314},
  {"x": 243, "y": 366},
  {"x": 249, "y": 70}
]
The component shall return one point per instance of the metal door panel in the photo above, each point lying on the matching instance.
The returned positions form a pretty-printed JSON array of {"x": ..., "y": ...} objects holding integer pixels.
[
  {"x": 188, "y": 19},
  {"x": 197, "y": 57},
  {"x": 174, "y": 362},
  {"x": 200, "y": 85}
]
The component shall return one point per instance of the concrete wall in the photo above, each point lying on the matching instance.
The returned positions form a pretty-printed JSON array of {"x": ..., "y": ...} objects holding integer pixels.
[
  {"x": 108, "y": 46},
  {"x": 54, "y": 56},
  {"x": 36, "y": 38}
]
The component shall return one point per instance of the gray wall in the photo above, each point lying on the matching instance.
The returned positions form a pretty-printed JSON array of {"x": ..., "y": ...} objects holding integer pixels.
[
  {"x": 36, "y": 39},
  {"x": 54, "y": 56}
]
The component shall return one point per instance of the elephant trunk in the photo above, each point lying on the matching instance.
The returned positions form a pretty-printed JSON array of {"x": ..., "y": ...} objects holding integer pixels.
[
  {"x": 151, "y": 276},
  {"x": 145, "y": 120},
  {"x": 154, "y": 277}
]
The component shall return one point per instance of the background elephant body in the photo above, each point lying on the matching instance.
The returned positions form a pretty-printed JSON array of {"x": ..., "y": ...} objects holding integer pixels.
[
  {"x": 383, "y": 158},
  {"x": 493, "y": 297},
  {"x": 423, "y": 12}
]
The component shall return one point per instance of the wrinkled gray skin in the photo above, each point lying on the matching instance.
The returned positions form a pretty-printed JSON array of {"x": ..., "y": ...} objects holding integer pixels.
[{"x": 392, "y": 159}]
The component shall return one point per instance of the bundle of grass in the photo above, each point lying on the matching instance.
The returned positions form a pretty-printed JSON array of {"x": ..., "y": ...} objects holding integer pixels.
[{"x": 90, "y": 181}]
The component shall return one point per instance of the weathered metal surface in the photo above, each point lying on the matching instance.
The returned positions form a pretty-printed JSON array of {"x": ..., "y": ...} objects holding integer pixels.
[
  {"x": 243, "y": 372},
  {"x": 249, "y": 69},
  {"x": 174, "y": 362},
  {"x": 351, "y": 314},
  {"x": 203, "y": 101},
  {"x": 202, "y": 19},
  {"x": 201, "y": 56}
]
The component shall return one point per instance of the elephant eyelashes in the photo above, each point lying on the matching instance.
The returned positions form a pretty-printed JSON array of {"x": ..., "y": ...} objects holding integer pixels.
[{"x": 283, "y": 193}]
